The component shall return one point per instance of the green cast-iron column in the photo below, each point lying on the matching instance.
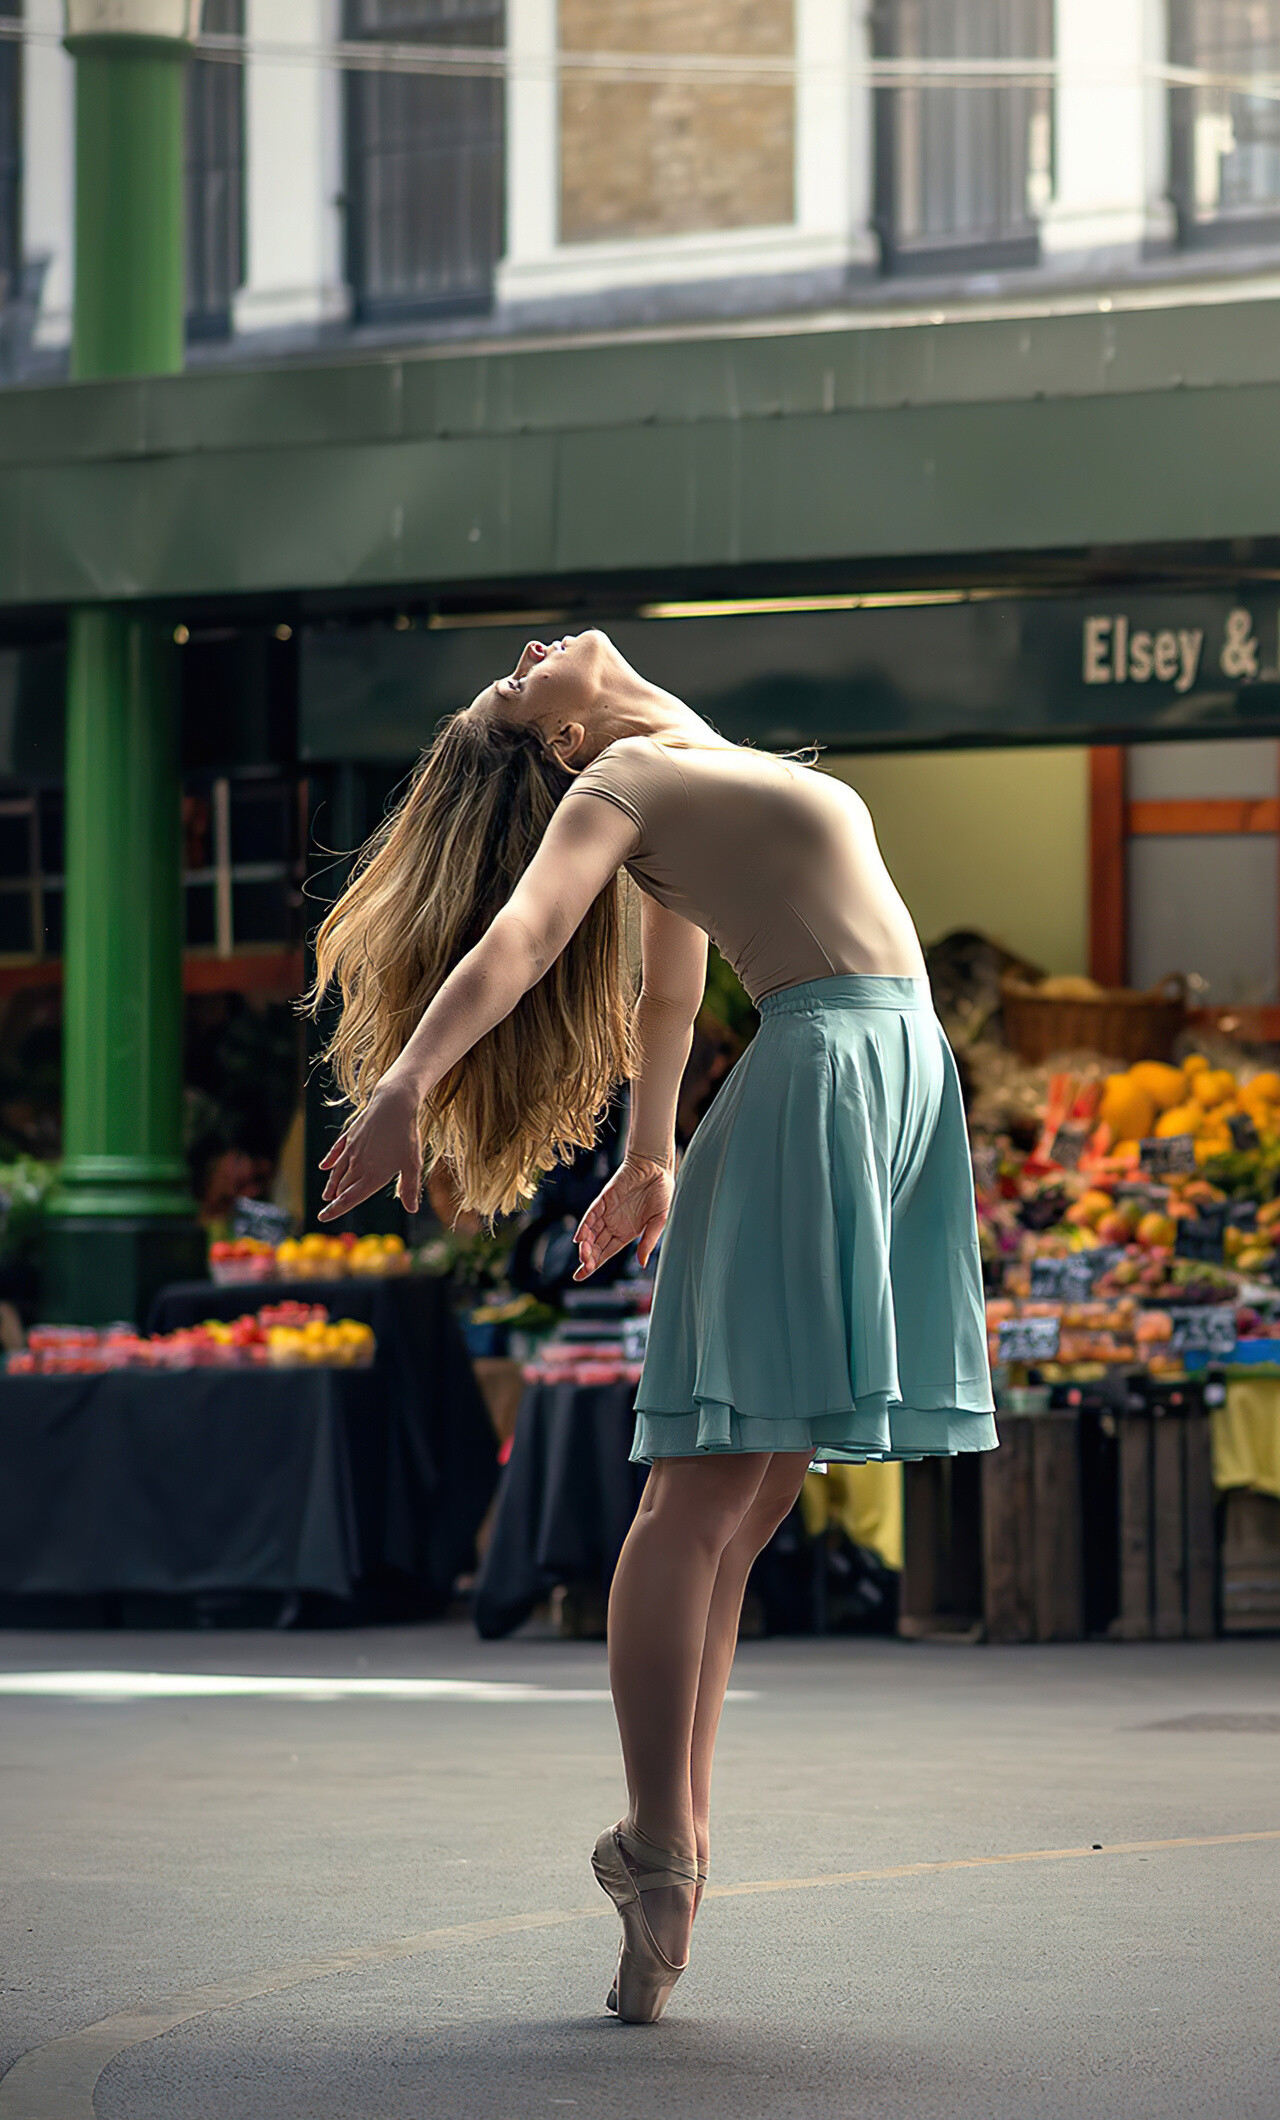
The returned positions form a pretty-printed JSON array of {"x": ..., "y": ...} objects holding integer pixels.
[
  {"x": 130, "y": 290},
  {"x": 123, "y": 1220}
]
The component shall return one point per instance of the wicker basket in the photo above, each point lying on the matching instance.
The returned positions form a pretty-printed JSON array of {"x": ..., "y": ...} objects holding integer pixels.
[{"x": 1120, "y": 1024}]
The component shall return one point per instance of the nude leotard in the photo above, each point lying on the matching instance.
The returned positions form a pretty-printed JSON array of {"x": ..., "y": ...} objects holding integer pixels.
[{"x": 777, "y": 862}]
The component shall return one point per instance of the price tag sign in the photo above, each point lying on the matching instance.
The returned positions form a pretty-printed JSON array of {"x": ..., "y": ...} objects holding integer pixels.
[
  {"x": 258, "y": 1218},
  {"x": 986, "y": 1167},
  {"x": 1069, "y": 1144},
  {"x": 1209, "y": 1330},
  {"x": 1244, "y": 1134},
  {"x": 1200, "y": 1236},
  {"x": 1029, "y": 1339},
  {"x": 1173, "y": 1157},
  {"x": 1072, "y": 1280}
]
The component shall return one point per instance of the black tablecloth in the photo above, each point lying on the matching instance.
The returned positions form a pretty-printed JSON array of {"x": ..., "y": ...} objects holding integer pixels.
[
  {"x": 567, "y": 1499},
  {"x": 441, "y": 1419},
  {"x": 253, "y": 1479},
  {"x": 565, "y": 1506},
  {"x": 200, "y": 1480}
]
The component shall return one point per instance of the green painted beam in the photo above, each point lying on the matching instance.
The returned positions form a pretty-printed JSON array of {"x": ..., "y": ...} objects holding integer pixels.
[{"x": 447, "y": 467}]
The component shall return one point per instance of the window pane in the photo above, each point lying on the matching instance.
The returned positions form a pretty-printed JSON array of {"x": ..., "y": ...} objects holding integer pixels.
[
  {"x": 10, "y": 156},
  {"x": 260, "y": 912},
  {"x": 425, "y": 164},
  {"x": 1225, "y": 146},
  {"x": 15, "y": 842},
  {"x": 52, "y": 857},
  {"x": 201, "y": 932},
  {"x": 962, "y": 167},
  {"x": 15, "y": 924},
  {"x": 260, "y": 823},
  {"x": 52, "y": 922},
  {"x": 215, "y": 179}
]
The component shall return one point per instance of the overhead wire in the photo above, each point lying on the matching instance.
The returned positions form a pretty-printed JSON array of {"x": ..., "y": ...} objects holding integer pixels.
[{"x": 780, "y": 69}]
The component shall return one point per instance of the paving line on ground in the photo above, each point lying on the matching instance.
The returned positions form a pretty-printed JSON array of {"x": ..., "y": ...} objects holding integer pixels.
[
  {"x": 129, "y": 1687},
  {"x": 56, "y": 2081}
]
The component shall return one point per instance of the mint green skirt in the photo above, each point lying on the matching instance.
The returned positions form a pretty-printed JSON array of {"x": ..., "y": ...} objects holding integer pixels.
[{"x": 818, "y": 1284}]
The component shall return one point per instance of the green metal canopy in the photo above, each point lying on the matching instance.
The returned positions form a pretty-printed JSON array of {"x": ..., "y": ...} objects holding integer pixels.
[{"x": 822, "y": 441}]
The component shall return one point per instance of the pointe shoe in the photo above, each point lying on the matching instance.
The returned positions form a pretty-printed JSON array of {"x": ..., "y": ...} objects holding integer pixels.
[
  {"x": 645, "y": 1976},
  {"x": 611, "y": 1999}
]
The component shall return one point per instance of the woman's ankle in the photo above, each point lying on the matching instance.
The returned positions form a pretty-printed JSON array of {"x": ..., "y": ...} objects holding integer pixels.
[{"x": 672, "y": 1837}]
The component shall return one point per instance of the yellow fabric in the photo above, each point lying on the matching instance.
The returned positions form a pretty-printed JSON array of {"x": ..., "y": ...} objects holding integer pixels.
[
  {"x": 1246, "y": 1436},
  {"x": 866, "y": 1502}
]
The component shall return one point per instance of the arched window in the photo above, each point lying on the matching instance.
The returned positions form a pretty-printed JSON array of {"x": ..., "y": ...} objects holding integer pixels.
[
  {"x": 1224, "y": 158},
  {"x": 424, "y": 165},
  {"x": 962, "y": 170},
  {"x": 215, "y": 179}
]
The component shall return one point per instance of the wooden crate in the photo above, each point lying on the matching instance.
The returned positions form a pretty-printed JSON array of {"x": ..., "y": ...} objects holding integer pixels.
[
  {"x": 1166, "y": 1523},
  {"x": 1032, "y": 1531},
  {"x": 940, "y": 1594},
  {"x": 1250, "y": 1563},
  {"x": 994, "y": 1543}
]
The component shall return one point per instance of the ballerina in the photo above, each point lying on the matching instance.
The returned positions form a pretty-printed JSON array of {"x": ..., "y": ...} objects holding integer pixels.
[{"x": 818, "y": 1292}]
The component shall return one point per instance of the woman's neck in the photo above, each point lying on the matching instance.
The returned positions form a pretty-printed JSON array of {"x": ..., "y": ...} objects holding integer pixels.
[{"x": 629, "y": 706}]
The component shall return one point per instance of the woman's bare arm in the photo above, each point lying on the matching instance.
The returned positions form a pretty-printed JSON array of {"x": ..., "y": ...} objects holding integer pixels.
[
  {"x": 674, "y": 958},
  {"x": 633, "y": 1206}
]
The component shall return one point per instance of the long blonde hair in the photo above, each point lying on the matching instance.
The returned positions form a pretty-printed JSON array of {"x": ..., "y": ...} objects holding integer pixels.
[{"x": 425, "y": 888}]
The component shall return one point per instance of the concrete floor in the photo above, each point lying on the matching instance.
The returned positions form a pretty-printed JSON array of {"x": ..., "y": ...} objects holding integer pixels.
[{"x": 371, "y": 1908}]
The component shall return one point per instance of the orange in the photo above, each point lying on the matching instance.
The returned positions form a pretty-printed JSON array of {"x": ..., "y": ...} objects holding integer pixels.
[
  {"x": 1127, "y": 1108},
  {"x": 1265, "y": 1086},
  {"x": 1166, "y": 1086},
  {"x": 1213, "y": 1085},
  {"x": 1182, "y": 1119}
]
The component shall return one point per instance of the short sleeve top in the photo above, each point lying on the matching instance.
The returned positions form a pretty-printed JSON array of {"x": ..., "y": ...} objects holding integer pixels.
[{"x": 776, "y": 862}]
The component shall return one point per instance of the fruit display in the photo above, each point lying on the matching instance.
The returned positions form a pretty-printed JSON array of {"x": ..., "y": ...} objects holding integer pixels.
[
  {"x": 1089, "y": 1332},
  {"x": 284, "y": 1335},
  {"x": 343, "y": 1343},
  {"x": 600, "y": 1361},
  {"x": 1086, "y": 1220},
  {"x": 241, "y": 1259},
  {"x": 1167, "y": 1280},
  {"x": 1216, "y": 1109},
  {"x": 319, "y": 1256}
]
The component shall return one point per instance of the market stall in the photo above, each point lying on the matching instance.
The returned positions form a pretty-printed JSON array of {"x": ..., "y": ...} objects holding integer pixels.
[
  {"x": 130, "y": 1486},
  {"x": 569, "y": 1492},
  {"x": 1128, "y": 1182},
  {"x": 319, "y": 1441}
]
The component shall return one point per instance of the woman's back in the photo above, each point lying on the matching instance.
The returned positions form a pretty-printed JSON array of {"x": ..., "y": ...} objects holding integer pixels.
[{"x": 777, "y": 862}]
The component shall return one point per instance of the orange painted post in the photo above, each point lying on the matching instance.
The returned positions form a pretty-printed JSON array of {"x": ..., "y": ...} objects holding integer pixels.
[{"x": 1108, "y": 939}]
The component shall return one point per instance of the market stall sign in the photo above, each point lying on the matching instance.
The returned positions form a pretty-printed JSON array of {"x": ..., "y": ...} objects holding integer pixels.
[
  {"x": 1029, "y": 1339},
  {"x": 1174, "y": 1156},
  {"x": 1209, "y": 1330},
  {"x": 1072, "y": 1280},
  {"x": 873, "y": 673}
]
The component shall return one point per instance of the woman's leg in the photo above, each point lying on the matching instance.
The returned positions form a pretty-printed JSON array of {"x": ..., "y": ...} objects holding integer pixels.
[
  {"x": 659, "y": 1606},
  {"x": 774, "y": 1500}
]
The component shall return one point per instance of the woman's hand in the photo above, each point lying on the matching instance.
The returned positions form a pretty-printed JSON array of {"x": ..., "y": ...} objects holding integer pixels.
[
  {"x": 633, "y": 1206},
  {"x": 378, "y": 1146}
]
